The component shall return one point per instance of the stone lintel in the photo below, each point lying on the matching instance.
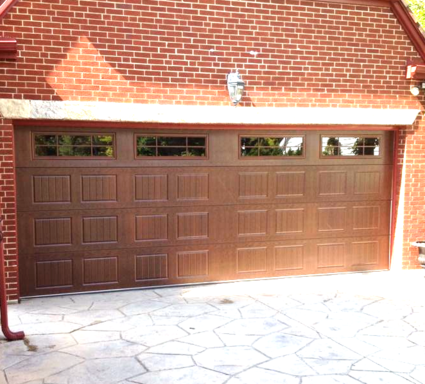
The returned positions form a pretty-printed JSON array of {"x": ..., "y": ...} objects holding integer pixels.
[{"x": 177, "y": 114}]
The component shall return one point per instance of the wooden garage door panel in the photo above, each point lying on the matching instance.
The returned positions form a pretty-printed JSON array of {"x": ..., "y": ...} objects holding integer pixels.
[
  {"x": 90, "y": 188},
  {"x": 103, "y": 224},
  {"x": 142, "y": 227},
  {"x": 84, "y": 271}
]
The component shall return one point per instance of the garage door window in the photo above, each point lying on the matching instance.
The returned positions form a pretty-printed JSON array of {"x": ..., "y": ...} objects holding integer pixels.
[
  {"x": 350, "y": 146},
  {"x": 171, "y": 146},
  {"x": 73, "y": 145},
  {"x": 271, "y": 146}
]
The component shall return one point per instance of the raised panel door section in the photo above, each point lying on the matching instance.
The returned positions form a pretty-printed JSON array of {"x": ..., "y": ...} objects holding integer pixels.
[
  {"x": 99, "y": 188},
  {"x": 192, "y": 225},
  {"x": 290, "y": 221},
  {"x": 332, "y": 219},
  {"x": 54, "y": 274},
  {"x": 289, "y": 257},
  {"x": 332, "y": 183},
  {"x": 252, "y": 260},
  {"x": 151, "y": 227},
  {"x": 53, "y": 231},
  {"x": 252, "y": 223},
  {"x": 367, "y": 217},
  {"x": 192, "y": 263},
  {"x": 52, "y": 189},
  {"x": 365, "y": 253},
  {"x": 151, "y": 188},
  {"x": 193, "y": 187},
  {"x": 151, "y": 267},
  {"x": 331, "y": 255},
  {"x": 101, "y": 270},
  {"x": 100, "y": 229},
  {"x": 253, "y": 185},
  {"x": 290, "y": 184},
  {"x": 367, "y": 183}
]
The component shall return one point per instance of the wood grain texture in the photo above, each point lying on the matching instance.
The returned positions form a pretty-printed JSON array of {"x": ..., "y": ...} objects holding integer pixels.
[
  {"x": 192, "y": 264},
  {"x": 53, "y": 231},
  {"x": 100, "y": 270},
  {"x": 99, "y": 188},
  {"x": 151, "y": 267},
  {"x": 52, "y": 189},
  {"x": 54, "y": 274},
  {"x": 100, "y": 229},
  {"x": 126, "y": 222}
]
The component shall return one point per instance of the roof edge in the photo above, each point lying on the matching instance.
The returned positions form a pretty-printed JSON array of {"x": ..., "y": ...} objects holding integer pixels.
[
  {"x": 410, "y": 25},
  {"x": 6, "y": 7}
]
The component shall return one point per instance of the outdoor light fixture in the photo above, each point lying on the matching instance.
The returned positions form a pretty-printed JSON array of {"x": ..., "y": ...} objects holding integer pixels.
[
  {"x": 416, "y": 90},
  {"x": 235, "y": 86}
]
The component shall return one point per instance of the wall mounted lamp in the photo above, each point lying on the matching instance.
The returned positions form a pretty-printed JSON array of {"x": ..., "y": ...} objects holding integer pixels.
[
  {"x": 416, "y": 90},
  {"x": 235, "y": 86}
]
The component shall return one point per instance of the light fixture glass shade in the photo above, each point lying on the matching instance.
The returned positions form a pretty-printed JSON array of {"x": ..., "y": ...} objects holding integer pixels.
[
  {"x": 235, "y": 86},
  {"x": 415, "y": 91}
]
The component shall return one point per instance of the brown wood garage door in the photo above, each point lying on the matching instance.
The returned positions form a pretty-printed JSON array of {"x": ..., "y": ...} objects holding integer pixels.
[{"x": 121, "y": 208}]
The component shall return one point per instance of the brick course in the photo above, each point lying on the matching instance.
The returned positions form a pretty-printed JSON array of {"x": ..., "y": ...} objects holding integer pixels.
[
  {"x": 8, "y": 206},
  {"x": 310, "y": 54}
]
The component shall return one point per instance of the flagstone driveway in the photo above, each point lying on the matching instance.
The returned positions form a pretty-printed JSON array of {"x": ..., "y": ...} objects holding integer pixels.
[{"x": 355, "y": 328}]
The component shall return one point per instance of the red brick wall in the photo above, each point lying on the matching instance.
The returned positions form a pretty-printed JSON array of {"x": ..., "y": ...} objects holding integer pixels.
[
  {"x": 8, "y": 206},
  {"x": 310, "y": 54},
  {"x": 411, "y": 183}
]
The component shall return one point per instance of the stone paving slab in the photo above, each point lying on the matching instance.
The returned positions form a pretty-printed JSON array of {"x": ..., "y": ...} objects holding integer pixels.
[{"x": 363, "y": 328}]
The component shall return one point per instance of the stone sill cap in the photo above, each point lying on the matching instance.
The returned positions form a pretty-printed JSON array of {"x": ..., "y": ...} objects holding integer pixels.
[{"x": 177, "y": 114}]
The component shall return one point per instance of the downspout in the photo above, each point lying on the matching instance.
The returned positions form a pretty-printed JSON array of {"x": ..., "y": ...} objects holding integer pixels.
[
  {"x": 394, "y": 193},
  {"x": 3, "y": 299}
]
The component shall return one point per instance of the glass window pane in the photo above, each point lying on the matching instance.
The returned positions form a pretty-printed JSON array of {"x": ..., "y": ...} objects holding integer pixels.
[
  {"x": 46, "y": 151},
  {"x": 74, "y": 140},
  {"x": 146, "y": 141},
  {"x": 350, "y": 151},
  {"x": 171, "y": 141},
  {"x": 249, "y": 152},
  {"x": 199, "y": 152},
  {"x": 371, "y": 141},
  {"x": 293, "y": 151},
  {"x": 348, "y": 141},
  {"x": 74, "y": 151},
  {"x": 249, "y": 141},
  {"x": 295, "y": 142},
  {"x": 325, "y": 140},
  {"x": 371, "y": 151},
  {"x": 272, "y": 146},
  {"x": 330, "y": 146},
  {"x": 270, "y": 152},
  {"x": 103, "y": 151},
  {"x": 271, "y": 141},
  {"x": 103, "y": 140},
  {"x": 145, "y": 151},
  {"x": 45, "y": 139},
  {"x": 196, "y": 141},
  {"x": 164, "y": 151},
  {"x": 350, "y": 146}
]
